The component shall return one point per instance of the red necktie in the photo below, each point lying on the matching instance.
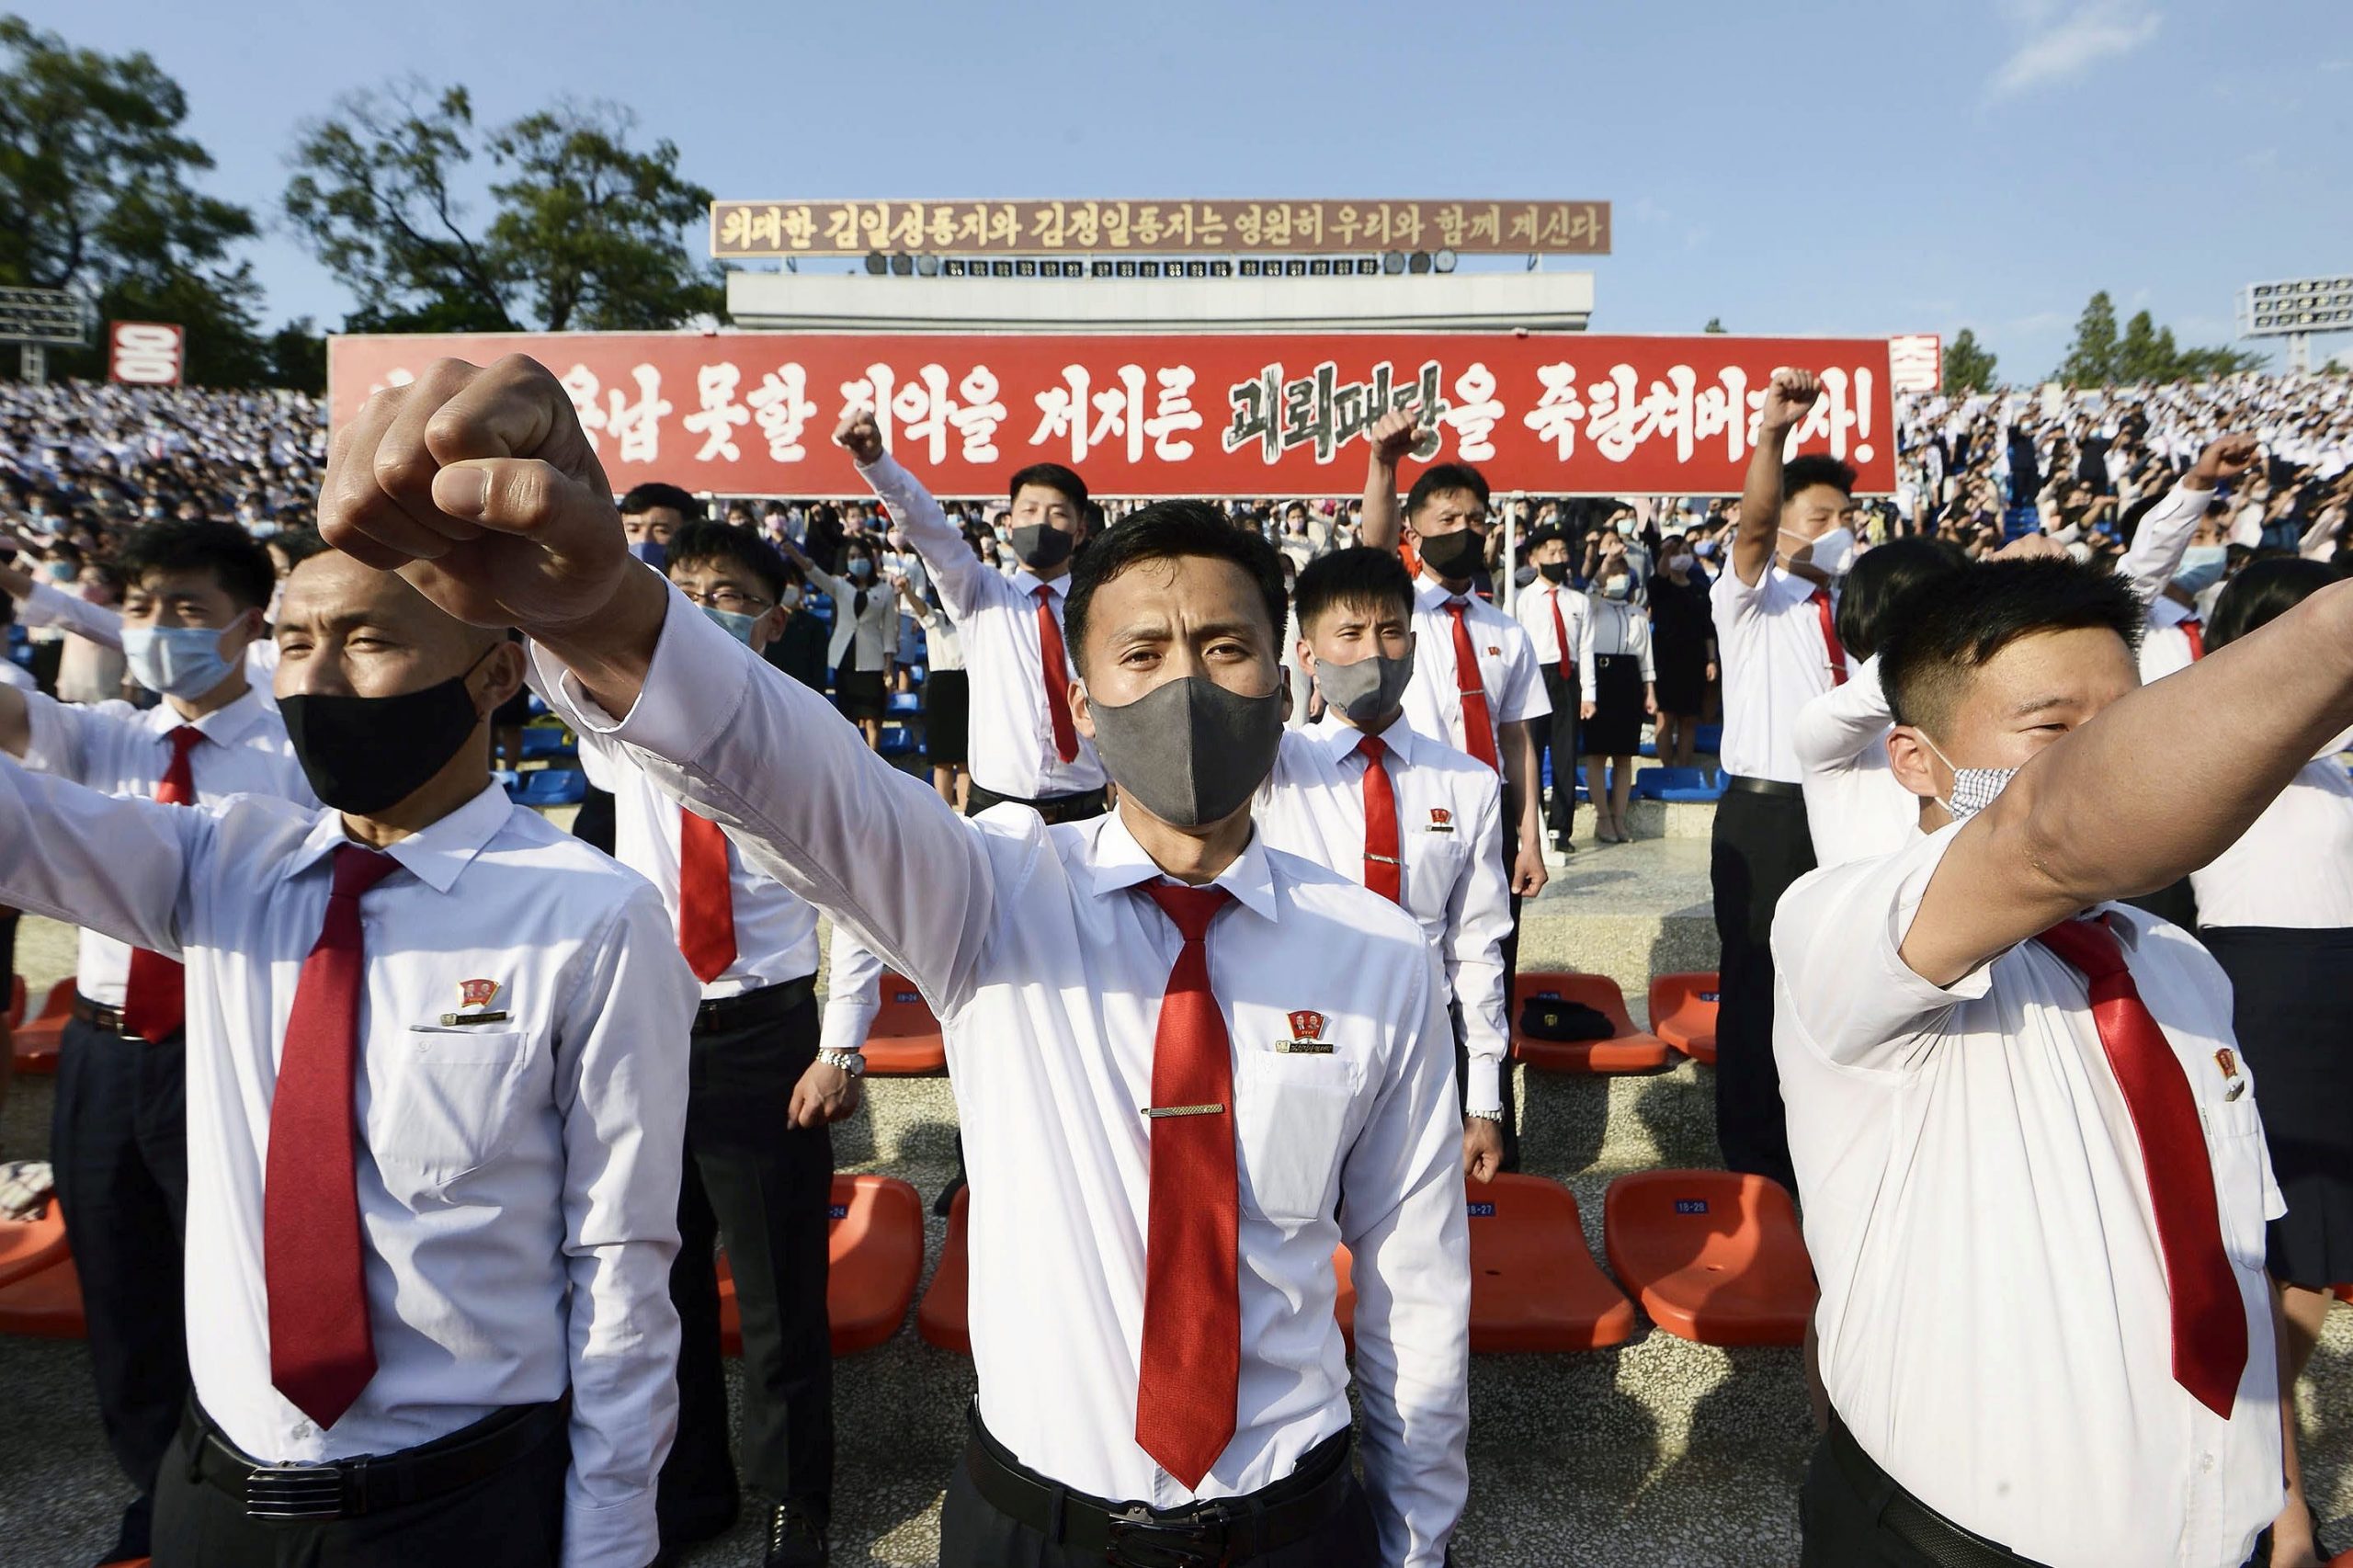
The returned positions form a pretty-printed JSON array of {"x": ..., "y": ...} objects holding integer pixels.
[
  {"x": 1478, "y": 730},
  {"x": 1561, "y": 636},
  {"x": 2209, "y": 1316},
  {"x": 1190, "y": 1375},
  {"x": 1821, "y": 602},
  {"x": 1381, "y": 872},
  {"x": 1050, "y": 649},
  {"x": 321, "y": 1354},
  {"x": 2196, "y": 632},
  {"x": 706, "y": 902},
  {"x": 154, "y": 998}
]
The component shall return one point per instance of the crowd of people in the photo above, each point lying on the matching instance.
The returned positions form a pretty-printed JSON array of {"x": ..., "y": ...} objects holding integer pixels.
[{"x": 1231, "y": 774}]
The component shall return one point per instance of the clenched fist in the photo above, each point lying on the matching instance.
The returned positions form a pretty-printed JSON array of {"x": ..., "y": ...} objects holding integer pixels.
[
  {"x": 2226, "y": 458},
  {"x": 1395, "y": 434},
  {"x": 859, "y": 433},
  {"x": 1789, "y": 396}
]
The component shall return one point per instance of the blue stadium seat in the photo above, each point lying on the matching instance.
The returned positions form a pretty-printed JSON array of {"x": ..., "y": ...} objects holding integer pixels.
[
  {"x": 1711, "y": 738},
  {"x": 508, "y": 779},
  {"x": 535, "y": 704},
  {"x": 903, "y": 702},
  {"x": 1676, "y": 784},
  {"x": 545, "y": 742},
  {"x": 553, "y": 787}
]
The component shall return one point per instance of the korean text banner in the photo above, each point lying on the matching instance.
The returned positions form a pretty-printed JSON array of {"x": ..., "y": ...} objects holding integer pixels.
[{"x": 1230, "y": 414}]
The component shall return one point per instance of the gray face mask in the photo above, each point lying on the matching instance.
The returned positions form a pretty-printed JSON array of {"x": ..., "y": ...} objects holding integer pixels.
[
  {"x": 1189, "y": 750},
  {"x": 1367, "y": 690}
]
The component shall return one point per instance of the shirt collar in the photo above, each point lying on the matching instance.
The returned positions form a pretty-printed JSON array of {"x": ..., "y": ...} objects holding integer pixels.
[
  {"x": 1120, "y": 862},
  {"x": 2166, "y": 610},
  {"x": 1431, "y": 594},
  {"x": 1399, "y": 737},
  {"x": 437, "y": 853},
  {"x": 225, "y": 726},
  {"x": 1029, "y": 582}
]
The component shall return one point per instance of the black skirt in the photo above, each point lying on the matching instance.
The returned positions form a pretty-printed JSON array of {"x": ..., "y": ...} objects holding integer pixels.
[
  {"x": 858, "y": 693},
  {"x": 1682, "y": 679},
  {"x": 947, "y": 717},
  {"x": 2297, "y": 1036},
  {"x": 1616, "y": 727}
]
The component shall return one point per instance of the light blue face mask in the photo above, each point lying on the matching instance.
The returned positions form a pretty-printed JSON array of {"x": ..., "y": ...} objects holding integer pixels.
[
  {"x": 176, "y": 661},
  {"x": 735, "y": 623},
  {"x": 2201, "y": 567}
]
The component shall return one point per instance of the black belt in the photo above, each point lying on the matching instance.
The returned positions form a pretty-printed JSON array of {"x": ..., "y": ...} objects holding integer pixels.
[
  {"x": 107, "y": 1020},
  {"x": 766, "y": 1004},
  {"x": 373, "y": 1482},
  {"x": 1772, "y": 786},
  {"x": 1054, "y": 809},
  {"x": 1913, "y": 1521},
  {"x": 1205, "y": 1535}
]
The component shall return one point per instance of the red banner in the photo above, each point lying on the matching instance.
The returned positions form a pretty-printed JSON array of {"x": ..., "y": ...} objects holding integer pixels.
[{"x": 753, "y": 414}]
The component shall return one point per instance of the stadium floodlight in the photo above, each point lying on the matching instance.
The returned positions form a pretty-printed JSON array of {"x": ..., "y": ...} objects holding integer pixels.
[
  {"x": 1295, "y": 267},
  {"x": 1222, "y": 268},
  {"x": 2295, "y": 308},
  {"x": 952, "y": 267},
  {"x": 1444, "y": 261}
]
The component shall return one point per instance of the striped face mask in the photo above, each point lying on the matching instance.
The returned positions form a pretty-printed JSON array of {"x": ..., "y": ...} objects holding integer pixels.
[{"x": 1973, "y": 788}]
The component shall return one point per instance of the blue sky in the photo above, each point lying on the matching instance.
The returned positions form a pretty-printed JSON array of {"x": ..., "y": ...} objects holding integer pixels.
[{"x": 1894, "y": 165}]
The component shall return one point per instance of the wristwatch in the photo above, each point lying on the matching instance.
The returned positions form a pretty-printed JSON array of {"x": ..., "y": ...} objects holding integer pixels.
[
  {"x": 848, "y": 1061},
  {"x": 1494, "y": 1115}
]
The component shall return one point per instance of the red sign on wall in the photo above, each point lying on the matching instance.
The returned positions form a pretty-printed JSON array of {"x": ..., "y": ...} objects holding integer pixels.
[
  {"x": 1230, "y": 414},
  {"x": 146, "y": 353}
]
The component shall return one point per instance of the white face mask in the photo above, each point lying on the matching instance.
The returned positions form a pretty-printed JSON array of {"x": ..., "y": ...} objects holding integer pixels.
[{"x": 1973, "y": 788}]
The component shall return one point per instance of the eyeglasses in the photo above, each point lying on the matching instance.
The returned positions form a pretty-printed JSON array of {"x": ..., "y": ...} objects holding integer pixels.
[{"x": 728, "y": 599}]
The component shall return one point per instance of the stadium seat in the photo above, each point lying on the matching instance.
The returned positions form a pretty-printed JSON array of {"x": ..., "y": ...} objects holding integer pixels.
[
  {"x": 1682, "y": 1013},
  {"x": 905, "y": 1040},
  {"x": 874, "y": 1260},
  {"x": 1534, "y": 1286},
  {"x": 547, "y": 742},
  {"x": 45, "y": 1303},
  {"x": 1677, "y": 784},
  {"x": 902, "y": 702},
  {"x": 1627, "y": 1051},
  {"x": 28, "y": 1246},
  {"x": 1710, "y": 739},
  {"x": 37, "y": 1041},
  {"x": 553, "y": 787},
  {"x": 942, "y": 1319},
  {"x": 1712, "y": 1256}
]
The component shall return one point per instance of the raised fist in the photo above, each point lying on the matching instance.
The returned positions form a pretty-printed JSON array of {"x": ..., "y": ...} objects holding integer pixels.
[
  {"x": 860, "y": 433},
  {"x": 2226, "y": 458},
  {"x": 1395, "y": 433},
  {"x": 1790, "y": 396}
]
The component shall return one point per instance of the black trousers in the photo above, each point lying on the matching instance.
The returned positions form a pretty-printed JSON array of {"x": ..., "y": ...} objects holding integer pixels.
[
  {"x": 765, "y": 1191},
  {"x": 513, "y": 1518},
  {"x": 1558, "y": 735},
  {"x": 1511, "y": 969},
  {"x": 119, "y": 1144},
  {"x": 973, "y": 1534},
  {"x": 1762, "y": 845}
]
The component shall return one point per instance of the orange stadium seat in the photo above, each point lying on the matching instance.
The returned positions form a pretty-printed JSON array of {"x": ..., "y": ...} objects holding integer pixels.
[
  {"x": 1627, "y": 1051},
  {"x": 942, "y": 1320},
  {"x": 1534, "y": 1286},
  {"x": 905, "y": 1041},
  {"x": 1712, "y": 1256},
  {"x": 875, "y": 1258},
  {"x": 28, "y": 1246},
  {"x": 37, "y": 1042},
  {"x": 45, "y": 1303},
  {"x": 1682, "y": 1013}
]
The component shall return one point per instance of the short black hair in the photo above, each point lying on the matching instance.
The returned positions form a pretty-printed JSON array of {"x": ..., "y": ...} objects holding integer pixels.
[
  {"x": 1357, "y": 578},
  {"x": 1816, "y": 468},
  {"x": 1944, "y": 636},
  {"x": 234, "y": 557},
  {"x": 297, "y": 545},
  {"x": 2262, "y": 592},
  {"x": 704, "y": 540},
  {"x": 1064, "y": 481},
  {"x": 1445, "y": 479},
  {"x": 1881, "y": 577},
  {"x": 645, "y": 497},
  {"x": 1172, "y": 530}
]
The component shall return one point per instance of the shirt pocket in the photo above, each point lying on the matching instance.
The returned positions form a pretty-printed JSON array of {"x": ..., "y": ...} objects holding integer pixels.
[
  {"x": 1433, "y": 862},
  {"x": 447, "y": 1102},
  {"x": 2234, "y": 1138},
  {"x": 1293, "y": 1116}
]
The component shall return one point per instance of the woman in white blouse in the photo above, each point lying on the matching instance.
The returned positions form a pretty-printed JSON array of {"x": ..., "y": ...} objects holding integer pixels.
[
  {"x": 866, "y": 632},
  {"x": 2275, "y": 910},
  {"x": 1618, "y": 686}
]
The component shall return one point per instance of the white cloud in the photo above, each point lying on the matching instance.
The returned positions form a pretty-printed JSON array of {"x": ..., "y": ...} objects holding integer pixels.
[{"x": 2063, "y": 40}]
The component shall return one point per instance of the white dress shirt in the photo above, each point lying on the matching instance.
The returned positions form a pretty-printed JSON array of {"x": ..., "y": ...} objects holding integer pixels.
[
  {"x": 874, "y": 629},
  {"x": 1046, "y": 969},
  {"x": 13, "y": 674},
  {"x": 2149, "y": 564},
  {"x": 121, "y": 750},
  {"x": 853, "y": 992},
  {"x": 1615, "y": 628},
  {"x": 1994, "y": 1321},
  {"x": 775, "y": 931},
  {"x": 2294, "y": 867},
  {"x": 1451, "y": 837},
  {"x": 1012, "y": 741},
  {"x": 1507, "y": 670},
  {"x": 1774, "y": 661},
  {"x": 1533, "y": 609},
  {"x": 518, "y": 1184},
  {"x": 1854, "y": 807}
]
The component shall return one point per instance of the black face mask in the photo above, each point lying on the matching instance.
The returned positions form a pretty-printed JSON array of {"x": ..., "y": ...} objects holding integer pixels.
[
  {"x": 1554, "y": 572},
  {"x": 1041, "y": 548},
  {"x": 1453, "y": 556},
  {"x": 364, "y": 754}
]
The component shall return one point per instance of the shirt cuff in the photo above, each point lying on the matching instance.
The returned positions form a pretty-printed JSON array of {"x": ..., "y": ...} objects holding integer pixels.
[
  {"x": 686, "y": 699},
  {"x": 1482, "y": 1085},
  {"x": 616, "y": 1535}
]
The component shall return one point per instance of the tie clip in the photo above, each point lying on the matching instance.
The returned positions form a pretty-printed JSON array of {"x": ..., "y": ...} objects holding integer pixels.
[
  {"x": 460, "y": 1020},
  {"x": 1385, "y": 860},
  {"x": 1157, "y": 1111}
]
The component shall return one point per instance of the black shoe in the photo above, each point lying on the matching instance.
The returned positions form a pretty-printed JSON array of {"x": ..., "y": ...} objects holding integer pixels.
[
  {"x": 944, "y": 1204},
  {"x": 795, "y": 1540}
]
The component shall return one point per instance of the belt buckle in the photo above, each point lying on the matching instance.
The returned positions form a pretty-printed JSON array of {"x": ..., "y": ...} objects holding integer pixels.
[
  {"x": 1139, "y": 1540},
  {"x": 295, "y": 1492}
]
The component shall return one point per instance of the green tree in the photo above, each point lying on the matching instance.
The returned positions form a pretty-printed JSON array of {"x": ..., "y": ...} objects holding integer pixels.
[
  {"x": 97, "y": 196},
  {"x": 584, "y": 231},
  {"x": 1715, "y": 324},
  {"x": 1969, "y": 367},
  {"x": 298, "y": 357},
  {"x": 2147, "y": 352},
  {"x": 2091, "y": 358}
]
